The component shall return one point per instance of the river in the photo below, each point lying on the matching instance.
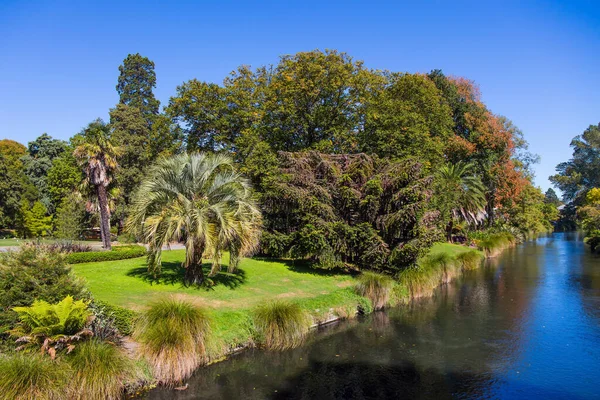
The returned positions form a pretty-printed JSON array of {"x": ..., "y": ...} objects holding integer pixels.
[{"x": 526, "y": 326}]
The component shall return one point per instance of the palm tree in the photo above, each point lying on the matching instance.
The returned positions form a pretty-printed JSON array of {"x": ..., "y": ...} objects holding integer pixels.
[
  {"x": 98, "y": 158},
  {"x": 462, "y": 193},
  {"x": 201, "y": 199}
]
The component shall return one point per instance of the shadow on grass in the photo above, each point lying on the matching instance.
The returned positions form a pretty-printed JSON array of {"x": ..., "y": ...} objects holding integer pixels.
[
  {"x": 174, "y": 274},
  {"x": 306, "y": 267}
]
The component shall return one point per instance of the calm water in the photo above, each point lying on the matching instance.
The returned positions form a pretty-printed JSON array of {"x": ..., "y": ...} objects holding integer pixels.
[{"x": 525, "y": 326}]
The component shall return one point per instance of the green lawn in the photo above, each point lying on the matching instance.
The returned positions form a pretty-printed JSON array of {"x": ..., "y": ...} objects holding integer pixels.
[
  {"x": 10, "y": 242},
  {"x": 127, "y": 284}
]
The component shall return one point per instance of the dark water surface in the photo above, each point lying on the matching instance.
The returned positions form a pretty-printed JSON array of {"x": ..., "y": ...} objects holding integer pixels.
[{"x": 526, "y": 326}]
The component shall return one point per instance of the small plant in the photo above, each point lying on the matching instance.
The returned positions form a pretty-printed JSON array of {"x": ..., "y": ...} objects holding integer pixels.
[
  {"x": 31, "y": 376},
  {"x": 376, "y": 287},
  {"x": 65, "y": 246},
  {"x": 281, "y": 325},
  {"x": 172, "y": 335},
  {"x": 100, "y": 371},
  {"x": 52, "y": 326}
]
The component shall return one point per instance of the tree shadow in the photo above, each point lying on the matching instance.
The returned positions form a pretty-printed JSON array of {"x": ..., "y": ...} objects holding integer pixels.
[
  {"x": 173, "y": 273},
  {"x": 307, "y": 267}
]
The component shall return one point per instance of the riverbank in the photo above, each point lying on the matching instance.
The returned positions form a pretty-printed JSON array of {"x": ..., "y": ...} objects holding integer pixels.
[{"x": 325, "y": 296}]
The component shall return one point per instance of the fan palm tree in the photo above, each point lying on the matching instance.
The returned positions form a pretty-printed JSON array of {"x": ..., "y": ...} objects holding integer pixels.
[
  {"x": 462, "y": 192},
  {"x": 98, "y": 158},
  {"x": 201, "y": 199}
]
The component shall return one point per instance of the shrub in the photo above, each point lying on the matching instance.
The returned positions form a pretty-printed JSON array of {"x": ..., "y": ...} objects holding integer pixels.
[
  {"x": 593, "y": 240},
  {"x": 118, "y": 253},
  {"x": 34, "y": 273},
  {"x": 281, "y": 325},
  {"x": 376, "y": 287},
  {"x": 275, "y": 244},
  {"x": 31, "y": 376},
  {"x": 99, "y": 370},
  {"x": 65, "y": 246},
  {"x": 52, "y": 326},
  {"x": 172, "y": 335},
  {"x": 122, "y": 318}
]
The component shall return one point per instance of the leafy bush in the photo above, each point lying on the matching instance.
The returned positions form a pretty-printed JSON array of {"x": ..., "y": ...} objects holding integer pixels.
[
  {"x": 593, "y": 240},
  {"x": 122, "y": 318},
  {"x": 281, "y": 325},
  {"x": 31, "y": 376},
  {"x": 118, "y": 253},
  {"x": 30, "y": 274},
  {"x": 52, "y": 326},
  {"x": 275, "y": 244},
  {"x": 172, "y": 335},
  {"x": 376, "y": 287},
  {"x": 99, "y": 370}
]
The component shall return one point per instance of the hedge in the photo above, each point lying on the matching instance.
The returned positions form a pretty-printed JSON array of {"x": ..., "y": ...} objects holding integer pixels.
[
  {"x": 123, "y": 318},
  {"x": 118, "y": 253}
]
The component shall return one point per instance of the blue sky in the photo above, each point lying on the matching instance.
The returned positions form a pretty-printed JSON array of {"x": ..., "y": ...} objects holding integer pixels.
[{"x": 536, "y": 62}]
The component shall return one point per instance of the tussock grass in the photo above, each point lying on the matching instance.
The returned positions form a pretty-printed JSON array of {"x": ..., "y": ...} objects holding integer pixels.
[
  {"x": 376, "y": 287},
  {"x": 32, "y": 376},
  {"x": 281, "y": 325},
  {"x": 494, "y": 243},
  {"x": 100, "y": 370},
  {"x": 422, "y": 280},
  {"x": 172, "y": 335},
  {"x": 470, "y": 259}
]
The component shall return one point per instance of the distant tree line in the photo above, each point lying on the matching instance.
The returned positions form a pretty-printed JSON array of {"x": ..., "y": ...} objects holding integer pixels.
[{"x": 350, "y": 165}]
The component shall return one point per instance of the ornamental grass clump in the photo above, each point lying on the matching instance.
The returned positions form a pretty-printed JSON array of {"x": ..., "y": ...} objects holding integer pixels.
[
  {"x": 172, "y": 335},
  {"x": 494, "y": 243},
  {"x": 444, "y": 262},
  {"x": 421, "y": 280},
  {"x": 376, "y": 287},
  {"x": 281, "y": 325},
  {"x": 100, "y": 370},
  {"x": 32, "y": 376},
  {"x": 470, "y": 259}
]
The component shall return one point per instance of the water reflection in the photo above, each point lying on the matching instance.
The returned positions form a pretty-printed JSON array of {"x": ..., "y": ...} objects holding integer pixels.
[{"x": 526, "y": 325}]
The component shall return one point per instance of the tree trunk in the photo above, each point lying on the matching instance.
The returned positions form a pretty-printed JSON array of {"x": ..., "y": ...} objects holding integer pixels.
[
  {"x": 194, "y": 275},
  {"x": 104, "y": 216},
  {"x": 449, "y": 228}
]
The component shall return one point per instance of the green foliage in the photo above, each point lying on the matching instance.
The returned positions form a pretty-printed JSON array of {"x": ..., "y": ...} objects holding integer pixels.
[
  {"x": 122, "y": 318},
  {"x": 493, "y": 243},
  {"x": 281, "y": 325},
  {"x": 349, "y": 210},
  {"x": 118, "y": 253},
  {"x": 30, "y": 274},
  {"x": 37, "y": 163},
  {"x": 172, "y": 335},
  {"x": 99, "y": 371},
  {"x": 550, "y": 197},
  {"x": 36, "y": 222},
  {"x": 64, "y": 177},
  {"x": 15, "y": 186},
  {"x": 593, "y": 240},
  {"x": 136, "y": 81},
  {"x": 275, "y": 244},
  {"x": 200, "y": 198},
  {"x": 580, "y": 174},
  {"x": 69, "y": 218},
  {"x": 376, "y": 287},
  {"x": 127, "y": 238},
  {"x": 32, "y": 376}
]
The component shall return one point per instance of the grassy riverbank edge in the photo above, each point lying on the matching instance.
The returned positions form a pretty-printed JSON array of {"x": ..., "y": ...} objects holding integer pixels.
[{"x": 233, "y": 330}]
